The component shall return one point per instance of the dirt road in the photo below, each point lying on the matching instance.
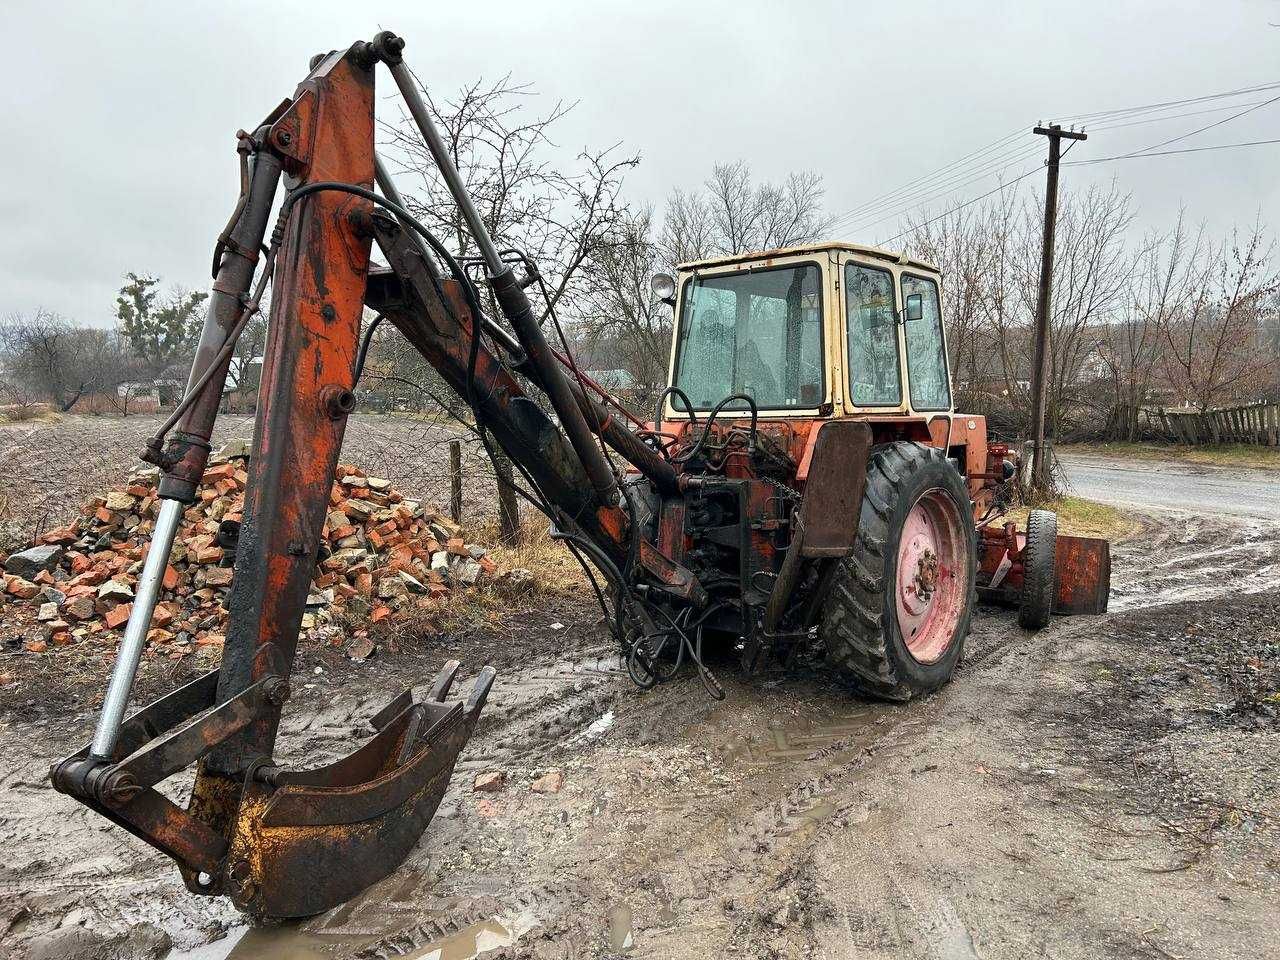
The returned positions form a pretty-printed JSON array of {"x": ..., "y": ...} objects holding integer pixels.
[
  {"x": 1106, "y": 788},
  {"x": 1155, "y": 484}
]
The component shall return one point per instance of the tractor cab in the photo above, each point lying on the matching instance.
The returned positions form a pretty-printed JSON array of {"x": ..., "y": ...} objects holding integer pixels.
[{"x": 807, "y": 332}]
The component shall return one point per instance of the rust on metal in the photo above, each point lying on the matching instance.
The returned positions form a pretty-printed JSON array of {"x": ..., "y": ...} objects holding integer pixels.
[
  {"x": 1082, "y": 570},
  {"x": 833, "y": 490}
]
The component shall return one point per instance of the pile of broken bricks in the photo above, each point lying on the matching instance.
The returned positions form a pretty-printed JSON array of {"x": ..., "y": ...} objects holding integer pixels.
[{"x": 383, "y": 557}]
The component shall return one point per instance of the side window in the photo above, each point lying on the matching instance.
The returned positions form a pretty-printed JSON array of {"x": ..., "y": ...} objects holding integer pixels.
[
  {"x": 874, "y": 377},
  {"x": 926, "y": 349}
]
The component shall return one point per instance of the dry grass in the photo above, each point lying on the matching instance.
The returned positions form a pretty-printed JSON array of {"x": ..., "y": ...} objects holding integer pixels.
[
  {"x": 553, "y": 567},
  {"x": 1085, "y": 518},
  {"x": 502, "y": 603},
  {"x": 1216, "y": 455}
]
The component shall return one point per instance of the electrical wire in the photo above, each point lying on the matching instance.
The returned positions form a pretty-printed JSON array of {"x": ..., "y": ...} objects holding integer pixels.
[
  {"x": 1121, "y": 124},
  {"x": 941, "y": 186},
  {"x": 1208, "y": 126},
  {"x": 1168, "y": 104},
  {"x": 1168, "y": 153}
]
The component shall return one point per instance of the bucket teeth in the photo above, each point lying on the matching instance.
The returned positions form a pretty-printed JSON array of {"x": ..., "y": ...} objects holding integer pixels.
[
  {"x": 480, "y": 691},
  {"x": 444, "y": 680}
]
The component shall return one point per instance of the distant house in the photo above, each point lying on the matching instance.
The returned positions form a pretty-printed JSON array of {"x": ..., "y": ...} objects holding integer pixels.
[{"x": 618, "y": 382}]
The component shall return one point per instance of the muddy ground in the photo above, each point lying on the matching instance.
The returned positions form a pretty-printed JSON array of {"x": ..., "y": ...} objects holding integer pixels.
[
  {"x": 49, "y": 469},
  {"x": 1106, "y": 788}
]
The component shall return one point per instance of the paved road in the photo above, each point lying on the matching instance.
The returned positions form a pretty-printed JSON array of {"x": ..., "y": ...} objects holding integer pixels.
[{"x": 1175, "y": 486}]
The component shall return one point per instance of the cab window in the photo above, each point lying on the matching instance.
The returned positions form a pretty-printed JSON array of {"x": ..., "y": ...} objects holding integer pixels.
[
  {"x": 926, "y": 348},
  {"x": 874, "y": 376},
  {"x": 755, "y": 332}
]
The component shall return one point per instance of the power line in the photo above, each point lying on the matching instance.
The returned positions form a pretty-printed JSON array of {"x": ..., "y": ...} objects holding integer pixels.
[
  {"x": 996, "y": 157},
  {"x": 1150, "y": 107},
  {"x": 1173, "y": 116},
  {"x": 1167, "y": 153},
  {"x": 1208, "y": 126},
  {"x": 957, "y": 180},
  {"x": 967, "y": 203},
  {"x": 966, "y": 160},
  {"x": 863, "y": 223}
]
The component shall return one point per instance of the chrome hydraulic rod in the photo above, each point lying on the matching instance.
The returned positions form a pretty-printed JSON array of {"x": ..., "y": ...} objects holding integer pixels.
[{"x": 135, "y": 632}]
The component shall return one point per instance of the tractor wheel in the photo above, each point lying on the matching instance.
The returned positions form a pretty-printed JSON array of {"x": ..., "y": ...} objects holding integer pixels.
[
  {"x": 1038, "y": 559},
  {"x": 896, "y": 618}
]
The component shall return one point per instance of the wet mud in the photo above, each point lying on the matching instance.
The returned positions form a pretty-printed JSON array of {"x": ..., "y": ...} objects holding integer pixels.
[{"x": 995, "y": 819}]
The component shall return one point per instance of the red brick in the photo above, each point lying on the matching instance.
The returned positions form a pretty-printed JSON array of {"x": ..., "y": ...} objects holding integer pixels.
[
  {"x": 223, "y": 471},
  {"x": 118, "y": 615}
]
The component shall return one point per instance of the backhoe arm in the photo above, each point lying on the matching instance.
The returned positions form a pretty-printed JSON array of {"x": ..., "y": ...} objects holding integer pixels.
[{"x": 280, "y": 843}]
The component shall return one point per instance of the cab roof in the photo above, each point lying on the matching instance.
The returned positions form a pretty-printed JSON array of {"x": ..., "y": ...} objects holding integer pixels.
[{"x": 825, "y": 246}]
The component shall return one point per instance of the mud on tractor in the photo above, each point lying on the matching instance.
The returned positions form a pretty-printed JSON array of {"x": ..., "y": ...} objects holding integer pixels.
[{"x": 804, "y": 478}]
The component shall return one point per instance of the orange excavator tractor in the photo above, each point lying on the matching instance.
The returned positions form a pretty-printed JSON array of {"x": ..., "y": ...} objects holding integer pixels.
[{"x": 804, "y": 478}]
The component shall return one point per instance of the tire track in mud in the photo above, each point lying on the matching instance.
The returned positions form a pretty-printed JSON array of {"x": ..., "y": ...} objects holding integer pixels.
[{"x": 1185, "y": 557}]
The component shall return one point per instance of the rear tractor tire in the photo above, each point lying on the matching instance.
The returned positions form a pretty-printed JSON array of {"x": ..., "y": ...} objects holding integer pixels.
[
  {"x": 897, "y": 615},
  {"x": 1039, "y": 556}
]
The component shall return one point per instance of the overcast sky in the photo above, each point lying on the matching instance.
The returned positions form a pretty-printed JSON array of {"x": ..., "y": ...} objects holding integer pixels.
[{"x": 120, "y": 152}]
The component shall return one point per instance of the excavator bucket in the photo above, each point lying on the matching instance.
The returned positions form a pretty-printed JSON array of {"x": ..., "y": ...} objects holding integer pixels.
[
  {"x": 309, "y": 839},
  {"x": 303, "y": 841}
]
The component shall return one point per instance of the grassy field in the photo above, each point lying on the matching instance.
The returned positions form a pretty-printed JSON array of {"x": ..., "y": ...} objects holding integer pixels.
[
  {"x": 1216, "y": 455},
  {"x": 1085, "y": 518}
]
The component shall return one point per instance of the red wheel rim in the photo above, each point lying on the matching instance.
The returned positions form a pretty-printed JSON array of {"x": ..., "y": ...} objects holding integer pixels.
[{"x": 933, "y": 570}]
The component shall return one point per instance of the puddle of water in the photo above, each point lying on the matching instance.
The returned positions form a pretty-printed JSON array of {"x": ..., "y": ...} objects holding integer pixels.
[
  {"x": 621, "y": 936},
  {"x": 801, "y": 738},
  {"x": 293, "y": 943},
  {"x": 477, "y": 939},
  {"x": 601, "y": 725}
]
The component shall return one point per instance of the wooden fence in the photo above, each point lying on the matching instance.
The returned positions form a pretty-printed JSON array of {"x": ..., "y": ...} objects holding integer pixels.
[{"x": 1256, "y": 423}]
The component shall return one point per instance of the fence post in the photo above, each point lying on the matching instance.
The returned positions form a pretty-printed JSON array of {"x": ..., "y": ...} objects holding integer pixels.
[{"x": 455, "y": 481}]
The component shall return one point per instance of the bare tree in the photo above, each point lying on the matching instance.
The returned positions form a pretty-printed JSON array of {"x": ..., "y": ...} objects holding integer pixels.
[
  {"x": 1165, "y": 274},
  {"x": 1214, "y": 346},
  {"x": 616, "y": 315},
  {"x": 732, "y": 213},
  {"x": 962, "y": 245},
  {"x": 1091, "y": 276},
  {"x": 45, "y": 355},
  {"x": 561, "y": 212}
]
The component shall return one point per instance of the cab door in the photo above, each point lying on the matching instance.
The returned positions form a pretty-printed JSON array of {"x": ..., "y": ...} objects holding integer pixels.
[
  {"x": 924, "y": 340},
  {"x": 875, "y": 380}
]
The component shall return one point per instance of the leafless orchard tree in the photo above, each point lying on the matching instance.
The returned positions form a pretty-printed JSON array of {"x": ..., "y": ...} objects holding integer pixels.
[
  {"x": 617, "y": 318},
  {"x": 1166, "y": 272},
  {"x": 733, "y": 213},
  {"x": 989, "y": 256},
  {"x": 562, "y": 212},
  {"x": 45, "y": 356},
  {"x": 962, "y": 245},
  {"x": 1091, "y": 271},
  {"x": 1178, "y": 320}
]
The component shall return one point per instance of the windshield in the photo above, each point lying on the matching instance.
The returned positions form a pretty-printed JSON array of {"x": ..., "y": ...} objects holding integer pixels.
[{"x": 757, "y": 333}]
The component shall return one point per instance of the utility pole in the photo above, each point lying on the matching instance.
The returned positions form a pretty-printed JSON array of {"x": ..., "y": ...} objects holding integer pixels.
[{"x": 1040, "y": 372}]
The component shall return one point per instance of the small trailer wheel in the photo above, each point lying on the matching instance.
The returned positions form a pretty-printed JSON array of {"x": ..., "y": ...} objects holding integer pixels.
[{"x": 1038, "y": 561}]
